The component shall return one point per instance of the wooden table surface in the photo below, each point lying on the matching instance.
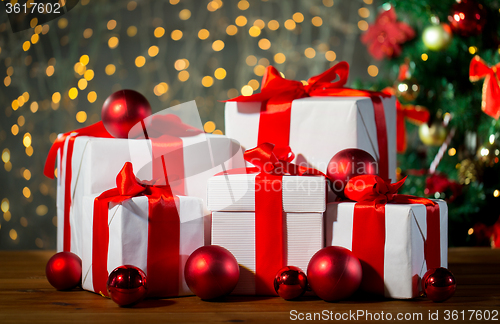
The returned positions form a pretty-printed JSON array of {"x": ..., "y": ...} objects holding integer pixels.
[{"x": 26, "y": 296}]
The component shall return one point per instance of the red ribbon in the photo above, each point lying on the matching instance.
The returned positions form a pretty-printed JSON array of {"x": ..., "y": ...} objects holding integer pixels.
[
  {"x": 415, "y": 114},
  {"x": 277, "y": 94},
  {"x": 164, "y": 133},
  {"x": 163, "y": 234},
  {"x": 372, "y": 193},
  {"x": 478, "y": 69},
  {"x": 271, "y": 164}
]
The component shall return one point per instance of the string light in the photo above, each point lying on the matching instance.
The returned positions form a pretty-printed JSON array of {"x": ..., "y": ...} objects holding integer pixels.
[
  {"x": 251, "y": 60},
  {"x": 110, "y": 69},
  {"x": 218, "y": 45},
  {"x": 62, "y": 23},
  {"x": 310, "y": 52},
  {"x": 183, "y": 76},
  {"x": 26, "y": 192},
  {"x": 7, "y": 216},
  {"x": 317, "y": 21},
  {"x": 184, "y": 14},
  {"x": 246, "y": 90},
  {"x": 290, "y": 24},
  {"x": 259, "y": 70},
  {"x": 264, "y": 44},
  {"x": 87, "y": 33},
  {"x": 131, "y": 5},
  {"x": 328, "y": 3},
  {"x": 140, "y": 61},
  {"x": 259, "y": 23},
  {"x": 50, "y": 70},
  {"x": 176, "y": 35},
  {"x": 362, "y": 25},
  {"x": 273, "y": 24},
  {"x": 26, "y": 46},
  {"x": 81, "y": 117},
  {"x": 473, "y": 50},
  {"x": 220, "y": 73},
  {"x": 364, "y": 12},
  {"x": 92, "y": 96},
  {"x": 240, "y": 21},
  {"x": 23, "y": 221},
  {"x": 424, "y": 57},
  {"x": 113, "y": 42},
  {"x": 5, "y": 205},
  {"x": 254, "y": 31},
  {"x": 88, "y": 75},
  {"x": 34, "y": 38},
  {"x": 452, "y": 151},
  {"x": 13, "y": 234},
  {"x": 298, "y": 17},
  {"x": 5, "y": 155},
  {"x": 84, "y": 59},
  {"x": 207, "y": 81},
  {"x": 73, "y": 93},
  {"x": 20, "y": 121},
  {"x": 243, "y": 5},
  {"x": 56, "y": 97},
  {"x": 14, "y": 129},
  {"x": 26, "y": 174},
  {"x": 496, "y": 193},
  {"x": 254, "y": 84},
  {"x": 34, "y": 107},
  {"x": 159, "y": 32},
  {"x": 231, "y": 30},
  {"x": 111, "y": 24},
  {"x": 153, "y": 51}
]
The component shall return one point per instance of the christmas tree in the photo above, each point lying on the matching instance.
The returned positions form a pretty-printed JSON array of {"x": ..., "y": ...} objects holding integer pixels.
[{"x": 436, "y": 56}]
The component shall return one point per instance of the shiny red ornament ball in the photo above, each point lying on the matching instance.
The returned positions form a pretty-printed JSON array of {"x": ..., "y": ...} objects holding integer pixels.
[
  {"x": 64, "y": 270},
  {"x": 347, "y": 164},
  {"x": 467, "y": 18},
  {"x": 127, "y": 285},
  {"x": 334, "y": 273},
  {"x": 211, "y": 272},
  {"x": 439, "y": 284},
  {"x": 290, "y": 282},
  {"x": 122, "y": 110}
]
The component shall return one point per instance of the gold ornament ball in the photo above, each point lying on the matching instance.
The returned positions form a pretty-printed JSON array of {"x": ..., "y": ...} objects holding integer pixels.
[
  {"x": 489, "y": 153},
  {"x": 408, "y": 89},
  {"x": 433, "y": 135},
  {"x": 437, "y": 37}
]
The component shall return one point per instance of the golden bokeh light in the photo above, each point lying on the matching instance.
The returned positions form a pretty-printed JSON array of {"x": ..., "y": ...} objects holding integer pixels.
[
  {"x": 34, "y": 107},
  {"x": 110, "y": 69},
  {"x": 218, "y": 45},
  {"x": 203, "y": 34},
  {"x": 56, "y": 97},
  {"x": 207, "y": 81},
  {"x": 254, "y": 84},
  {"x": 88, "y": 75},
  {"x": 49, "y": 70},
  {"x": 246, "y": 90},
  {"x": 254, "y": 31},
  {"x": 279, "y": 58},
  {"x": 273, "y": 24},
  {"x": 81, "y": 117},
  {"x": 87, "y": 33},
  {"x": 5, "y": 155},
  {"x": 35, "y": 38},
  {"x": 26, "y": 192},
  {"x": 264, "y": 44},
  {"x": 328, "y": 3},
  {"x": 13, "y": 234},
  {"x": 231, "y": 30},
  {"x": 240, "y": 21},
  {"x": 362, "y": 25},
  {"x": 92, "y": 96},
  {"x": 317, "y": 21},
  {"x": 140, "y": 61},
  {"x": 251, "y": 60},
  {"x": 259, "y": 23},
  {"x": 259, "y": 70},
  {"x": 23, "y": 221},
  {"x": 290, "y": 24},
  {"x": 5, "y": 205},
  {"x": 113, "y": 42},
  {"x": 26, "y": 174},
  {"x": 62, "y": 23},
  {"x": 41, "y": 210},
  {"x": 217, "y": 132},
  {"x": 220, "y": 73},
  {"x": 231, "y": 93},
  {"x": 310, "y": 52},
  {"x": 29, "y": 151},
  {"x": 14, "y": 129},
  {"x": 159, "y": 32},
  {"x": 176, "y": 35},
  {"x": 243, "y": 5},
  {"x": 21, "y": 121},
  {"x": 372, "y": 70},
  {"x": 298, "y": 17},
  {"x": 424, "y": 57},
  {"x": 364, "y": 12},
  {"x": 26, "y": 46},
  {"x": 79, "y": 68},
  {"x": 82, "y": 84},
  {"x": 181, "y": 64},
  {"x": 111, "y": 24},
  {"x": 131, "y": 5},
  {"x": 84, "y": 59},
  {"x": 330, "y": 56},
  {"x": 73, "y": 93},
  {"x": 183, "y": 76},
  {"x": 209, "y": 126},
  {"x": 185, "y": 14},
  {"x": 131, "y": 31},
  {"x": 153, "y": 51}
]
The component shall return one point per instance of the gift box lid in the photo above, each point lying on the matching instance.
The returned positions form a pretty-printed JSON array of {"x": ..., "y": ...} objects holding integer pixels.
[{"x": 236, "y": 192}]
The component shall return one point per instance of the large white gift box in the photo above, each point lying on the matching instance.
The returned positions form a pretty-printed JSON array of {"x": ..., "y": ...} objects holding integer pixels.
[
  {"x": 129, "y": 232},
  {"x": 320, "y": 127},
  {"x": 232, "y": 200},
  {"x": 96, "y": 161},
  {"x": 406, "y": 234}
]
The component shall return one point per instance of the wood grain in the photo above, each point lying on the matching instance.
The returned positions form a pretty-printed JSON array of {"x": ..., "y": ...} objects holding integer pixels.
[{"x": 26, "y": 296}]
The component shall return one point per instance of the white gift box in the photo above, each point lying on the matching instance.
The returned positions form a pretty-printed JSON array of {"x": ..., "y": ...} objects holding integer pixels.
[
  {"x": 96, "y": 162},
  {"x": 320, "y": 127},
  {"x": 128, "y": 236},
  {"x": 232, "y": 199},
  {"x": 405, "y": 236}
]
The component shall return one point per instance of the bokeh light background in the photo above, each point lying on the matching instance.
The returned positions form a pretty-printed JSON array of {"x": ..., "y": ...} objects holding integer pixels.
[{"x": 56, "y": 76}]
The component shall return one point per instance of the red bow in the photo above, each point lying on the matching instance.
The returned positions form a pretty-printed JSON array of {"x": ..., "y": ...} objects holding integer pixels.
[
  {"x": 491, "y": 87},
  {"x": 278, "y": 91},
  {"x": 415, "y": 114}
]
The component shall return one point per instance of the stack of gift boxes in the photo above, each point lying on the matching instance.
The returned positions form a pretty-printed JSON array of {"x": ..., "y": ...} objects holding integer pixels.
[{"x": 268, "y": 220}]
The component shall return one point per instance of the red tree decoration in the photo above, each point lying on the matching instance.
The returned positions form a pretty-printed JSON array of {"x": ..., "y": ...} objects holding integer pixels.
[{"x": 385, "y": 37}]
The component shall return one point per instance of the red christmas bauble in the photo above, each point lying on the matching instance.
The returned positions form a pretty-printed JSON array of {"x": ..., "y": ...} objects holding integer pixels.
[
  {"x": 127, "y": 285},
  {"x": 122, "y": 110},
  {"x": 347, "y": 164},
  {"x": 290, "y": 282},
  {"x": 439, "y": 284},
  {"x": 64, "y": 270},
  {"x": 467, "y": 18},
  {"x": 211, "y": 272},
  {"x": 334, "y": 273}
]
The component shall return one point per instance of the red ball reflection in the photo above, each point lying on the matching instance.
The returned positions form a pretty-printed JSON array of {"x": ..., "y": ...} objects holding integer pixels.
[
  {"x": 64, "y": 270},
  {"x": 290, "y": 282},
  {"x": 439, "y": 284},
  {"x": 467, "y": 18},
  {"x": 127, "y": 285}
]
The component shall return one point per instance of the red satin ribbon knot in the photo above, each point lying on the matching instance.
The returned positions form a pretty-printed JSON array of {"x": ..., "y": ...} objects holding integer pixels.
[
  {"x": 163, "y": 234},
  {"x": 372, "y": 193},
  {"x": 478, "y": 70},
  {"x": 277, "y": 94}
]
